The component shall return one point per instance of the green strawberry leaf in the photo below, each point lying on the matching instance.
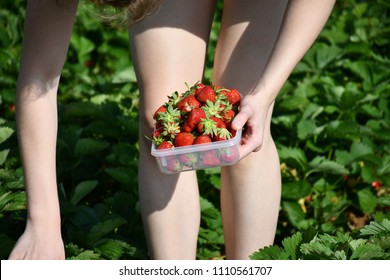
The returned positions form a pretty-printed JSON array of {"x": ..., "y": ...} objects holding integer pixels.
[
  {"x": 367, "y": 200},
  {"x": 5, "y": 133},
  {"x": 321, "y": 164},
  {"x": 81, "y": 190},
  {"x": 270, "y": 253},
  {"x": 375, "y": 228},
  {"x": 291, "y": 245}
]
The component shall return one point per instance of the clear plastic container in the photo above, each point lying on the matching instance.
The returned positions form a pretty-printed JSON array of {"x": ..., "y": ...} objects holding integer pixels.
[{"x": 201, "y": 156}]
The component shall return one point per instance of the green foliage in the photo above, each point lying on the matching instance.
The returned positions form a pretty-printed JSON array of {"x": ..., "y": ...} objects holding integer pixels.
[
  {"x": 369, "y": 243},
  {"x": 331, "y": 126}
]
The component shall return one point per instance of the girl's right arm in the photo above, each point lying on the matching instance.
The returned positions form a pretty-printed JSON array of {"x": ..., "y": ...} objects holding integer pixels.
[{"x": 48, "y": 28}]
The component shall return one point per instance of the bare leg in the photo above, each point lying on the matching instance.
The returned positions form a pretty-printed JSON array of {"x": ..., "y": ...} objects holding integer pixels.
[
  {"x": 250, "y": 194},
  {"x": 168, "y": 50}
]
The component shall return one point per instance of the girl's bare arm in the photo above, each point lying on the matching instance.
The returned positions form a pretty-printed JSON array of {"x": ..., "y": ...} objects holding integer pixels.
[
  {"x": 48, "y": 27},
  {"x": 303, "y": 22}
]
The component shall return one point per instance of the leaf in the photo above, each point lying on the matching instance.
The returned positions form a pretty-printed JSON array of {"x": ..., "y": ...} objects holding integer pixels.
[
  {"x": 294, "y": 157},
  {"x": 347, "y": 100},
  {"x": 6, "y": 245},
  {"x": 385, "y": 200},
  {"x": 343, "y": 157},
  {"x": 215, "y": 180},
  {"x": 316, "y": 250},
  {"x": 82, "y": 109},
  {"x": 3, "y": 156},
  {"x": 360, "y": 68},
  {"x": 321, "y": 164},
  {"x": 81, "y": 190},
  {"x": 123, "y": 175},
  {"x": 295, "y": 190},
  {"x": 385, "y": 168},
  {"x": 375, "y": 228},
  {"x": 320, "y": 56},
  {"x": 368, "y": 174},
  {"x": 367, "y": 200},
  {"x": 291, "y": 245},
  {"x": 358, "y": 151},
  {"x": 206, "y": 207},
  {"x": 101, "y": 229},
  {"x": 83, "y": 46},
  {"x": 115, "y": 249},
  {"x": 86, "y": 255},
  {"x": 294, "y": 212},
  {"x": 270, "y": 253},
  {"x": 326, "y": 54},
  {"x": 5, "y": 133},
  {"x": 344, "y": 129},
  {"x": 367, "y": 251},
  {"x": 340, "y": 255},
  {"x": 12, "y": 201},
  {"x": 125, "y": 76},
  {"x": 306, "y": 128},
  {"x": 210, "y": 236},
  {"x": 293, "y": 103},
  {"x": 371, "y": 110},
  {"x": 89, "y": 146}
]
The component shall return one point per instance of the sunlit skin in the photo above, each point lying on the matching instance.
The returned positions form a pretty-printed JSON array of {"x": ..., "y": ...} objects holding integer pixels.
[{"x": 259, "y": 45}]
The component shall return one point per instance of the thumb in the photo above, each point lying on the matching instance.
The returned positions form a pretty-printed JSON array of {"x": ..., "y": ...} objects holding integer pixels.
[{"x": 240, "y": 120}]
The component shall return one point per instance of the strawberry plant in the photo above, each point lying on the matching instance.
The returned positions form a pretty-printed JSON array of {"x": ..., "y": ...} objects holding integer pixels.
[{"x": 371, "y": 242}]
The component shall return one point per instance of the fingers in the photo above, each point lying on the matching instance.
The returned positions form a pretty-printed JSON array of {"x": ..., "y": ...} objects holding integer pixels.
[
  {"x": 252, "y": 121},
  {"x": 246, "y": 148},
  {"x": 241, "y": 118}
]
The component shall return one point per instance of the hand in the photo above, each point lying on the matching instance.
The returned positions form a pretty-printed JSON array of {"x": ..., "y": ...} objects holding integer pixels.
[
  {"x": 39, "y": 242},
  {"x": 252, "y": 118}
]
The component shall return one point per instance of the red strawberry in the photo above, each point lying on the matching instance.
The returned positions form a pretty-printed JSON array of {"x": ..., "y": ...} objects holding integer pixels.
[
  {"x": 188, "y": 159},
  {"x": 171, "y": 129},
  {"x": 161, "y": 109},
  {"x": 228, "y": 155},
  {"x": 228, "y": 116},
  {"x": 210, "y": 158},
  {"x": 234, "y": 96},
  {"x": 183, "y": 139},
  {"x": 206, "y": 93},
  {"x": 222, "y": 134},
  {"x": 188, "y": 103},
  {"x": 186, "y": 127},
  {"x": 157, "y": 132},
  {"x": 157, "y": 138},
  {"x": 210, "y": 126},
  {"x": 376, "y": 184},
  {"x": 218, "y": 122},
  {"x": 165, "y": 145},
  {"x": 12, "y": 108},
  {"x": 170, "y": 114},
  {"x": 232, "y": 131},
  {"x": 174, "y": 98},
  {"x": 158, "y": 125},
  {"x": 195, "y": 116},
  {"x": 213, "y": 109},
  {"x": 174, "y": 165},
  {"x": 198, "y": 87},
  {"x": 202, "y": 139},
  {"x": 221, "y": 92}
]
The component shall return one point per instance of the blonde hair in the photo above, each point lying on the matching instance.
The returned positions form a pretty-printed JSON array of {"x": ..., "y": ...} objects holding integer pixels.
[{"x": 136, "y": 10}]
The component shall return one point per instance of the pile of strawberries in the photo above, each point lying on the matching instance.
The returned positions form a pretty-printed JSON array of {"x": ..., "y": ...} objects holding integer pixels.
[{"x": 202, "y": 114}]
